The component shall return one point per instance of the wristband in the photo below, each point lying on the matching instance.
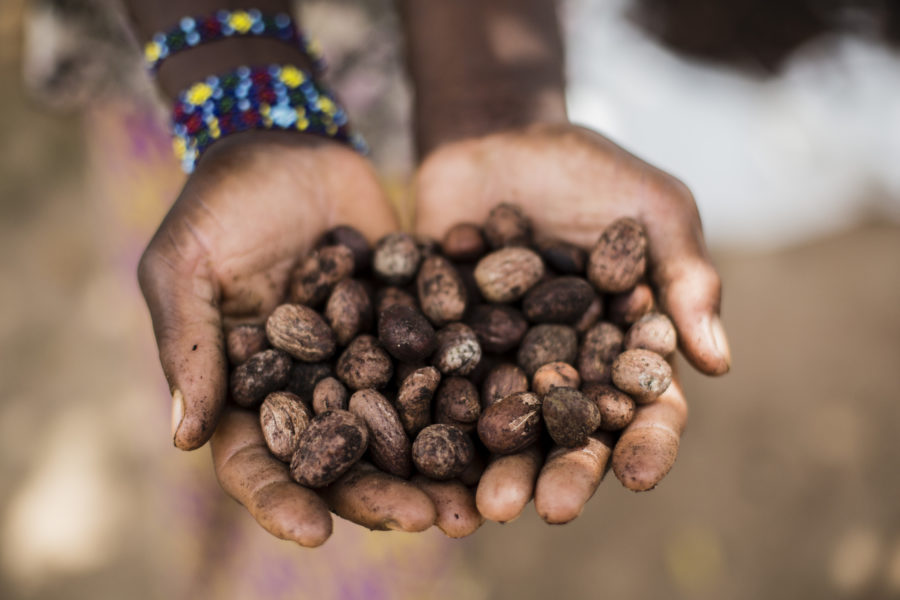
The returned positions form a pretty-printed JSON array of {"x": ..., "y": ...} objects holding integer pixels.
[
  {"x": 223, "y": 24},
  {"x": 274, "y": 97}
]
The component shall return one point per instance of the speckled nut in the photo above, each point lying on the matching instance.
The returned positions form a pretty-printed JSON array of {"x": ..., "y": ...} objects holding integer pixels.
[
  {"x": 352, "y": 238},
  {"x": 616, "y": 407},
  {"x": 388, "y": 444},
  {"x": 506, "y": 275},
  {"x": 590, "y": 316},
  {"x": 389, "y": 296},
  {"x": 457, "y": 350},
  {"x": 283, "y": 417},
  {"x": 330, "y": 444},
  {"x": 499, "y": 327},
  {"x": 329, "y": 394},
  {"x": 406, "y": 334},
  {"x": 546, "y": 344},
  {"x": 442, "y": 452},
  {"x": 263, "y": 373},
  {"x": 243, "y": 341},
  {"x": 555, "y": 374},
  {"x": 654, "y": 332},
  {"x": 626, "y": 308},
  {"x": 503, "y": 380},
  {"x": 463, "y": 242},
  {"x": 619, "y": 258},
  {"x": 301, "y": 332},
  {"x": 600, "y": 346},
  {"x": 442, "y": 294},
  {"x": 414, "y": 399},
  {"x": 512, "y": 424},
  {"x": 558, "y": 300},
  {"x": 348, "y": 310},
  {"x": 457, "y": 398},
  {"x": 569, "y": 416},
  {"x": 507, "y": 225},
  {"x": 312, "y": 281},
  {"x": 642, "y": 374},
  {"x": 396, "y": 258},
  {"x": 364, "y": 364}
]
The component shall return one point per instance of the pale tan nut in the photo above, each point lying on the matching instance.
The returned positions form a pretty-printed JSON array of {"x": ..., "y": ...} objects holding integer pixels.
[
  {"x": 243, "y": 341},
  {"x": 619, "y": 258},
  {"x": 389, "y": 296},
  {"x": 616, "y": 407},
  {"x": 388, "y": 445},
  {"x": 627, "y": 307},
  {"x": 463, "y": 242},
  {"x": 329, "y": 394},
  {"x": 562, "y": 257},
  {"x": 503, "y": 380},
  {"x": 457, "y": 350},
  {"x": 304, "y": 377},
  {"x": 555, "y": 374},
  {"x": 569, "y": 417},
  {"x": 457, "y": 398},
  {"x": 642, "y": 374},
  {"x": 263, "y": 373},
  {"x": 589, "y": 317},
  {"x": 600, "y": 346},
  {"x": 330, "y": 444},
  {"x": 499, "y": 327},
  {"x": 507, "y": 225},
  {"x": 654, "y": 332},
  {"x": 547, "y": 343},
  {"x": 442, "y": 294},
  {"x": 406, "y": 334},
  {"x": 348, "y": 310},
  {"x": 312, "y": 281},
  {"x": 570, "y": 477},
  {"x": 442, "y": 452},
  {"x": 457, "y": 515},
  {"x": 301, "y": 332},
  {"x": 396, "y": 258},
  {"x": 558, "y": 300},
  {"x": 364, "y": 364},
  {"x": 414, "y": 399},
  {"x": 352, "y": 238},
  {"x": 506, "y": 275},
  {"x": 512, "y": 424},
  {"x": 283, "y": 417}
]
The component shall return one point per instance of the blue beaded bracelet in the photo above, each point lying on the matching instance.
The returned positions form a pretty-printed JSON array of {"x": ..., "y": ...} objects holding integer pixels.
[
  {"x": 274, "y": 97},
  {"x": 193, "y": 31}
]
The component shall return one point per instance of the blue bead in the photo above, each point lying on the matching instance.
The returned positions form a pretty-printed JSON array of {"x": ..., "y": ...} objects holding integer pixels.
[
  {"x": 160, "y": 38},
  {"x": 187, "y": 24},
  {"x": 243, "y": 104},
  {"x": 222, "y": 15},
  {"x": 193, "y": 38},
  {"x": 254, "y": 14},
  {"x": 258, "y": 27},
  {"x": 243, "y": 72},
  {"x": 282, "y": 20}
]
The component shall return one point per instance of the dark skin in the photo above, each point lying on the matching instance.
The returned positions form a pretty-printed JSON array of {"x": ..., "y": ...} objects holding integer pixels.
[{"x": 491, "y": 127}]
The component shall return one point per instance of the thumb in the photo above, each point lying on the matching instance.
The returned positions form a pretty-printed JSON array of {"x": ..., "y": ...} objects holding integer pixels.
[{"x": 182, "y": 295}]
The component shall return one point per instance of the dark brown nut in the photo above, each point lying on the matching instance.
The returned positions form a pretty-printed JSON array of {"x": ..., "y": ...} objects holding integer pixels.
[
  {"x": 301, "y": 332},
  {"x": 503, "y": 380},
  {"x": 457, "y": 398},
  {"x": 463, "y": 242},
  {"x": 507, "y": 225},
  {"x": 555, "y": 374},
  {"x": 558, "y": 300},
  {"x": 600, "y": 346},
  {"x": 653, "y": 332},
  {"x": 442, "y": 294},
  {"x": 499, "y": 327},
  {"x": 569, "y": 416},
  {"x": 352, "y": 238},
  {"x": 546, "y": 344},
  {"x": 626, "y": 308},
  {"x": 348, "y": 310},
  {"x": 512, "y": 424},
  {"x": 243, "y": 341},
  {"x": 393, "y": 296},
  {"x": 330, "y": 444},
  {"x": 283, "y": 417},
  {"x": 396, "y": 258},
  {"x": 329, "y": 394},
  {"x": 506, "y": 275},
  {"x": 402, "y": 370},
  {"x": 364, "y": 364},
  {"x": 590, "y": 316},
  {"x": 457, "y": 350},
  {"x": 406, "y": 333},
  {"x": 563, "y": 257},
  {"x": 304, "y": 377},
  {"x": 442, "y": 451},
  {"x": 263, "y": 373},
  {"x": 642, "y": 374},
  {"x": 473, "y": 294},
  {"x": 388, "y": 444},
  {"x": 444, "y": 419},
  {"x": 414, "y": 399},
  {"x": 312, "y": 281},
  {"x": 616, "y": 407},
  {"x": 619, "y": 258}
]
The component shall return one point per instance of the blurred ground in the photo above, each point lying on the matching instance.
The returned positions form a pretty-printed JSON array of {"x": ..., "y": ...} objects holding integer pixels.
[{"x": 787, "y": 483}]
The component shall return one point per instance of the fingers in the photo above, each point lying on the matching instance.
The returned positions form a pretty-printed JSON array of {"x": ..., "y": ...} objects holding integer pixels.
[
  {"x": 647, "y": 448},
  {"x": 507, "y": 485},
  {"x": 180, "y": 290},
  {"x": 261, "y": 483},
  {"x": 456, "y": 513},
  {"x": 374, "y": 499},
  {"x": 689, "y": 286},
  {"x": 570, "y": 477}
]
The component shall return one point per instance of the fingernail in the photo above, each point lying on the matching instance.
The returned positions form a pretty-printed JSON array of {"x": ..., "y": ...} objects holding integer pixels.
[
  {"x": 717, "y": 333},
  {"x": 177, "y": 411},
  {"x": 392, "y": 525}
]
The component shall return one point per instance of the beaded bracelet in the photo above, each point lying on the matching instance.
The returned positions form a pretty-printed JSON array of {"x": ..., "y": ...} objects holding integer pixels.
[
  {"x": 193, "y": 31},
  {"x": 274, "y": 97}
]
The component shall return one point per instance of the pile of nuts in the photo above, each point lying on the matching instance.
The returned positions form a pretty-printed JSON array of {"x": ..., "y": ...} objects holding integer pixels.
[{"x": 430, "y": 357}]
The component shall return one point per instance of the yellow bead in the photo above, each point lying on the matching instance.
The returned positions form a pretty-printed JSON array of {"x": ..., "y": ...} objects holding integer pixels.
[
  {"x": 326, "y": 105},
  {"x": 240, "y": 21},
  {"x": 302, "y": 124},
  {"x": 179, "y": 147},
  {"x": 291, "y": 76},
  {"x": 331, "y": 129},
  {"x": 199, "y": 93},
  {"x": 152, "y": 51}
]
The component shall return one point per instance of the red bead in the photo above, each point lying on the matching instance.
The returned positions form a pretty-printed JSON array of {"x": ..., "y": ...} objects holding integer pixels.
[{"x": 194, "y": 123}]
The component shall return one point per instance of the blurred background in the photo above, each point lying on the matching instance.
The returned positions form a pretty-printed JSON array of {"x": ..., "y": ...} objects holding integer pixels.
[{"x": 782, "y": 117}]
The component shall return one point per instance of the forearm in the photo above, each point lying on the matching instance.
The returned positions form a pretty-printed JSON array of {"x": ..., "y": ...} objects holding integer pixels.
[
  {"x": 195, "y": 64},
  {"x": 480, "y": 66}
]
